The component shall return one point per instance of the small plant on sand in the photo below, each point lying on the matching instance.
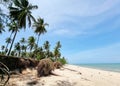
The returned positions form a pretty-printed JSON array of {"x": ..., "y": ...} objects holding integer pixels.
[{"x": 45, "y": 67}]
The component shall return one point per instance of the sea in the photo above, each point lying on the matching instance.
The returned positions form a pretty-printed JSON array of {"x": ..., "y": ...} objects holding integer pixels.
[{"x": 114, "y": 67}]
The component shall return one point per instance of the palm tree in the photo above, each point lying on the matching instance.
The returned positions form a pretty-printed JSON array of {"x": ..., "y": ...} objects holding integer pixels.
[
  {"x": 18, "y": 48},
  {"x": 39, "y": 26},
  {"x": 1, "y": 28},
  {"x": 23, "y": 46},
  {"x": 31, "y": 42},
  {"x": 15, "y": 30},
  {"x": 57, "y": 53},
  {"x": 47, "y": 48},
  {"x": 1, "y": 23},
  {"x": 23, "y": 41},
  {"x": 2, "y": 47},
  {"x": 21, "y": 11},
  {"x": 12, "y": 28},
  {"x": 8, "y": 41}
]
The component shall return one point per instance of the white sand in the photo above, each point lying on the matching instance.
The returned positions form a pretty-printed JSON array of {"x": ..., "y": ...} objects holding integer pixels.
[{"x": 69, "y": 75}]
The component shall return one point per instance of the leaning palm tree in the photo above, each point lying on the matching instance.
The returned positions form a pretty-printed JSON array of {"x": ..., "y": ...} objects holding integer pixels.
[
  {"x": 21, "y": 11},
  {"x": 39, "y": 27},
  {"x": 8, "y": 41},
  {"x": 16, "y": 29},
  {"x": 12, "y": 28},
  {"x": 31, "y": 42}
]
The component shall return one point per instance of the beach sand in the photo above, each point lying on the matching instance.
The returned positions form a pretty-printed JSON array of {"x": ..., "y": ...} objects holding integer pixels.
[{"x": 69, "y": 75}]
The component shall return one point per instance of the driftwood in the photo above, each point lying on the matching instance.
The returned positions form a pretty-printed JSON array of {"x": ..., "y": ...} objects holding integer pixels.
[{"x": 5, "y": 70}]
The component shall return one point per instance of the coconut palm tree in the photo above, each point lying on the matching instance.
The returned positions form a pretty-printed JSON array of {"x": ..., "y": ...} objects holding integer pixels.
[
  {"x": 31, "y": 42},
  {"x": 1, "y": 28},
  {"x": 15, "y": 30},
  {"x": 17, "y": 48},
  {"x": 46, "y": 46},
  {"x": 12, "y": 28},
  {"x": 21, "y": 11},
  {"x": 57, "y": 53},
  {"x": 39, "y": 27},
  {"x": 23, "y": 46},
  {"x": 23, "y": 41},
  {"x": 8, "y": 41},
  {"x": 2, "y": 47}
]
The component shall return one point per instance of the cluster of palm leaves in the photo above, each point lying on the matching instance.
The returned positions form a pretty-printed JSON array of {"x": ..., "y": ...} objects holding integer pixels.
[
  {"x": 29, "y": 48},
  {"x": 20, "y": 15}
]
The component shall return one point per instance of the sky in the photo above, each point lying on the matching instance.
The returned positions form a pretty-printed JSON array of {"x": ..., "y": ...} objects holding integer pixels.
[{"x": 89, "y": 30}]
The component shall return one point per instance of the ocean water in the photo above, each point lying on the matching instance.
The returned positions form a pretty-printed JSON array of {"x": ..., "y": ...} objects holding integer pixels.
[{"x": 114, "y": 67}]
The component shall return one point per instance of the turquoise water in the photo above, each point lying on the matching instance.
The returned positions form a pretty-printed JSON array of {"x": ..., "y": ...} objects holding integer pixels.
[{"x": 115, "y": 67}]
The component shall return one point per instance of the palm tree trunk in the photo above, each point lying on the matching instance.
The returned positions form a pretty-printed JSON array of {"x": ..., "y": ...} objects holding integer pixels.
[
  {"x": 12, "y": 43},
  {"x": 38, "y": 39}
]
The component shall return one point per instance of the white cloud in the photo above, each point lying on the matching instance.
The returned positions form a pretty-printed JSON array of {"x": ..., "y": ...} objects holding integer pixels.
[
  {"x": 68, "y": 33},
  {"x": 86, "y": 14}
]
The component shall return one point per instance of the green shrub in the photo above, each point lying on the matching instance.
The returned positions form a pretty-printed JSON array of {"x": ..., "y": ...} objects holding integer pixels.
[{"x": 62, "y": 60}]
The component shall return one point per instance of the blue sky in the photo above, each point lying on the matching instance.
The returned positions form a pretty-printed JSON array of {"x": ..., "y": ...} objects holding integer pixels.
[{"x": 89, "y": 30}]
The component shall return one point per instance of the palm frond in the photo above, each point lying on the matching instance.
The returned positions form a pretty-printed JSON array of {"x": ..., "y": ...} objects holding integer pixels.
[
  {"x": 17, "y": 3},
  {"x": 31, "y": 7}
]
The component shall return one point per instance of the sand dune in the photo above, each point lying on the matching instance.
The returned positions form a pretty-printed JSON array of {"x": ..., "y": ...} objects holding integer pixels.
[{"x": 69, "y": 75}]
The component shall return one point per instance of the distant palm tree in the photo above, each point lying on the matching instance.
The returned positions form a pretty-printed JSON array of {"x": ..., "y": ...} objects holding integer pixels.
[
  {"x": 47, "y": 48},
  {"x": 2, "y": 47},
  {"x": 21, "y": 11},
  {"x": 1, "y": 22},
  {"x": 1, "y": 28},
  {"x": 23, "y": 46},
  {"x": 39, "y": 26},
  {"x": 57, "y": 53},
  {"x": 23, "y": 41},
  {"x": 8, "y": 41},
  {"x": 58, "y": 45},
  {"x": 31, "y": 42},
  {"x": 18, "y": 48}
]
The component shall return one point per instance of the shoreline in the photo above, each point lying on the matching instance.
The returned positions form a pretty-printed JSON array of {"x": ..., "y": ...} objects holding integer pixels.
[
  {"x": 98, "y": 68},
  {"x": 69, "y": 75}
]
